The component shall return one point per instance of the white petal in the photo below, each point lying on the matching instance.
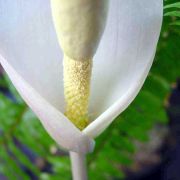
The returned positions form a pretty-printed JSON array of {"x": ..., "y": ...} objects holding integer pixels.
[
  {"x": 29, "y": 43},
  {"x": 31, "y": 56},
  {"x": 123, "y": 59},
  {"x": 57, "y": 125}
]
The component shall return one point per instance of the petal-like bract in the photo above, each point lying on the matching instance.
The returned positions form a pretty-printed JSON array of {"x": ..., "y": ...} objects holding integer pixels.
[
  {"x": 123, "y": 59},
  {"x": 31, "y": 56}
]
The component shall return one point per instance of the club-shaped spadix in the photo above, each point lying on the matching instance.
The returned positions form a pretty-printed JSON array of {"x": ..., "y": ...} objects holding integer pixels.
[
  {"x": 79, "y": 26},
  {"x": 31, "y": 56}
]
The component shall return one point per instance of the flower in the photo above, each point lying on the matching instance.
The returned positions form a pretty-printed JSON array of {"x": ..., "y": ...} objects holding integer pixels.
[{"x": 30, "y": 54}]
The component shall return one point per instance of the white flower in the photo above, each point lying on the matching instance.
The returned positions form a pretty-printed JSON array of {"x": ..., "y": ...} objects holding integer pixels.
[{"x": 29, "y": 53}]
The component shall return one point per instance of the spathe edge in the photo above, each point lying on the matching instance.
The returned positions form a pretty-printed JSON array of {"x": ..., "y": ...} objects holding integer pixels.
[
  {"x": 57, "y": 125},
  {"x": 95, "y": 128}
]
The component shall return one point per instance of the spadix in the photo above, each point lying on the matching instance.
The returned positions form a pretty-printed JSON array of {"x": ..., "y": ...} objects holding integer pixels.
[{"x": 79, "y": 25}]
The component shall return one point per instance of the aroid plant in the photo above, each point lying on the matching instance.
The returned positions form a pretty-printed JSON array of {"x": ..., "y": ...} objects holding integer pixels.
[{"x": 78, "y": 64}]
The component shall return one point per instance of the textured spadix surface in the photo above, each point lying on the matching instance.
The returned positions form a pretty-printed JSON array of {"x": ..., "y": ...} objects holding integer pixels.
[{"x": 30, "y": 54}]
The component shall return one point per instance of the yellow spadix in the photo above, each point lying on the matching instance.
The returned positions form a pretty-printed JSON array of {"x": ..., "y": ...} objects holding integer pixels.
[{"x": 79, "y": 26}]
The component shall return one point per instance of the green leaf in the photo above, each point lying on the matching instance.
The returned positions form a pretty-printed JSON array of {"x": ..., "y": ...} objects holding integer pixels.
[
  {"x": 173, "y": 13},
  {"x": 176, "y": 23},
  {"x": 174, "y": 5},
  {"x": 15, "y": 172}
]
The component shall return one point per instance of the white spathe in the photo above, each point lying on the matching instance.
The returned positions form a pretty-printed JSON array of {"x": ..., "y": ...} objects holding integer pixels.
[{"x": 30, "y": 54}]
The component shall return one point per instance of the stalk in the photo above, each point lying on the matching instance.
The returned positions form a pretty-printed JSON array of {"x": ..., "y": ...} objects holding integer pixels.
[{"x": 78, "y": 165}]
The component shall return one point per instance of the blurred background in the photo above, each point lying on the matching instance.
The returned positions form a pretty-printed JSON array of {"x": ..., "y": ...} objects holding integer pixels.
[{"x": 143, "y": 142}]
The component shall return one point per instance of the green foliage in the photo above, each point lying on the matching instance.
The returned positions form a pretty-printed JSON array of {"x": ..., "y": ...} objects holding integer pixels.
[
  {"x": 173, "y": 10},
  {"x": 24, "y": 144}
]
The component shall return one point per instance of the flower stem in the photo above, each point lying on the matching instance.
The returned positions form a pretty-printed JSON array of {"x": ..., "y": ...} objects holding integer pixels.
[
  {"x": 78, "y": 163},
  {"x": 77, "y": 76}
]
